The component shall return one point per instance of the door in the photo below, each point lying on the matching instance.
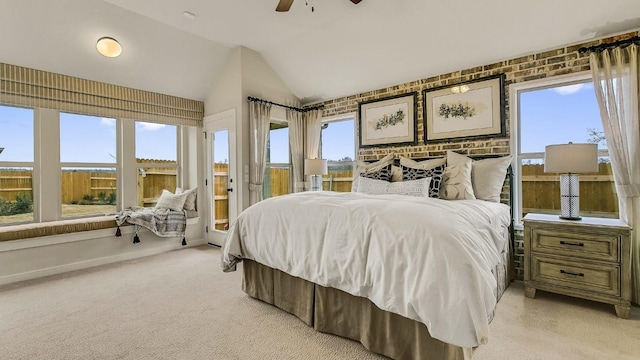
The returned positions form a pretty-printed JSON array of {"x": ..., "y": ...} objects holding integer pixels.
[{"x": 222, "y": 188}]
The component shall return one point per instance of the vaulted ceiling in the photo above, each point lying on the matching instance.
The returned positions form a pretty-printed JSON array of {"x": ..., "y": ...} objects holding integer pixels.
[{"x": 338, "y": 49}]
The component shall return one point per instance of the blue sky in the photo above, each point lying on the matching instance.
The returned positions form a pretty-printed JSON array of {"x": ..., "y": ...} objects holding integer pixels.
[
  {"x": 557, "y": 116},
  {"x": 83, "y": 138}
]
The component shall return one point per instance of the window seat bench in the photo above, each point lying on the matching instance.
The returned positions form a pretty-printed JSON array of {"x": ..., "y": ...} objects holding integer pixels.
[{"x": 32, "y": 230}]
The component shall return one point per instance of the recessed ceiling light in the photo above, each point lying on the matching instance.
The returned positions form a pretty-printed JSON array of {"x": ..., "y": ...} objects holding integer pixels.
[
  {"x": 189, "y": 15},
  {"x": 109, "y": 47}
]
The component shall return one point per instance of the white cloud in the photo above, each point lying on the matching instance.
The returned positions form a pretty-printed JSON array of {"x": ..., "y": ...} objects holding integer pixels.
[
  {"x": 107, "y": 122},
  {"x": 150, "y": 126},
  {"x": 569, "y": 89}
]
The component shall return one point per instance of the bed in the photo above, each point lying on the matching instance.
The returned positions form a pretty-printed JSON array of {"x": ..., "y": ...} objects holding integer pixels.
[{"x": 378, "y": 268}]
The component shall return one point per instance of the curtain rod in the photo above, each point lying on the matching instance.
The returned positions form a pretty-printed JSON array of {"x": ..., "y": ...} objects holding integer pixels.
[
  {"x": 632, "y": 40},
  {"x": 254, "y": 99}
]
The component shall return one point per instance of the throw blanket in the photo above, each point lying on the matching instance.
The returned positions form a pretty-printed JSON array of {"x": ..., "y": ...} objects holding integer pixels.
[
  {"x": 162, "y": 222},
  {"x": 426, "y": 259}
]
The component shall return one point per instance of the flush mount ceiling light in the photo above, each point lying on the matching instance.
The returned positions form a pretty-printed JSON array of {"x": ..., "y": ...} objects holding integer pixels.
[{"x": 109, "y": 47}]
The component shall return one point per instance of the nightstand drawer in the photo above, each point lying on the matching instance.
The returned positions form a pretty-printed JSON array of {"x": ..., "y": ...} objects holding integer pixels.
[
  {"x": 603, "y": 279},
  {"x": 582, "y": 245}
]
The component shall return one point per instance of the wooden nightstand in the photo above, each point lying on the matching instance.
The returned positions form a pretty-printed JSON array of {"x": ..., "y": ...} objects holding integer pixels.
[{"x": 589, "y": 258}]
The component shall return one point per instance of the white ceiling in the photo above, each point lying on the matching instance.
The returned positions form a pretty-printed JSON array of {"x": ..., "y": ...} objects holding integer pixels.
[{"x": 340, "y": 49}]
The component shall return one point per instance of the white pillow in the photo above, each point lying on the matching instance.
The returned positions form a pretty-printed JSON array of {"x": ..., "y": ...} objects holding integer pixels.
[
  {"x": 418, "y": 187},
  {"x": 423, "y": 165},
  {"x": 190, "y": 202},
  {"x": 488, "y": 175},
  {"x": 456, "y": 180},
  {"x": 380, "y": 187},
  {"x": 372, "y": 186},
  {"x": 171, "y": 201},
  {"x": 396, "y": 173}
]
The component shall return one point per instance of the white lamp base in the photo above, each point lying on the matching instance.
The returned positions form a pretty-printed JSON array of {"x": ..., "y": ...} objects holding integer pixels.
[
  {"x": 570, "y": 197},
  {"x": 316, "y": 182}
]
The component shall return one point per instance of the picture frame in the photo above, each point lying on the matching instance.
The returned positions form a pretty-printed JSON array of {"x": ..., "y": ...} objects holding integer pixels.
[
  {"x": 474, "y": 109},
  {"x": 388, "y": 121}
]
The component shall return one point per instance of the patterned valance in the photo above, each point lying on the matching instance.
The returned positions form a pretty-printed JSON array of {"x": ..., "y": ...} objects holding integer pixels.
[{"x": 20, "y": 86}]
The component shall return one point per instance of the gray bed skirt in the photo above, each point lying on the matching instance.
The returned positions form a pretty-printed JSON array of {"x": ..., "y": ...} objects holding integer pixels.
[{"x": 336, "y": 312}]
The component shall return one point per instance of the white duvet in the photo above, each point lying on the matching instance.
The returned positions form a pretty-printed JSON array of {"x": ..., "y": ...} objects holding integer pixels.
[{"x": 426, "y": 259}]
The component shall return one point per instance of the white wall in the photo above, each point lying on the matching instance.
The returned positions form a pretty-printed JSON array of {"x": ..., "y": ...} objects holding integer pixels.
[{"x": 246, "y": 74}]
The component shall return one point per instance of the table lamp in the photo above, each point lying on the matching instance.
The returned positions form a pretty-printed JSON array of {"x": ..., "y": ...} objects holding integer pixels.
[
  {"x": 316, "y": 168},
  {"x": 570, "y": 159}
]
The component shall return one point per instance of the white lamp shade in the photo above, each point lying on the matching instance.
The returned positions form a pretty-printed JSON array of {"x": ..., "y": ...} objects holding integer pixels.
[
  {"x": 315, "y": 167},
  {"x": 571, "y": 158}
]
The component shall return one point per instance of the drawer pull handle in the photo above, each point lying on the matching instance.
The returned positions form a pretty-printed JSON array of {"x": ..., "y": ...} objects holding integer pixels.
[
  {"x": 571, "y": 243},
  {"x": 572, "y": 274}
]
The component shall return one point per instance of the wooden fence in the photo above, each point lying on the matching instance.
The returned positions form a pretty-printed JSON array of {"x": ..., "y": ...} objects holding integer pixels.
[{"x": 541, "y": 191}]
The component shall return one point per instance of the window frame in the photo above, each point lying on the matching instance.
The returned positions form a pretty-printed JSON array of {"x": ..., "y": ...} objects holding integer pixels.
[
  {"x": 34, "y": 165},
  {"x": 289, "y": 166},
  {"x": 139, "y": 167},
  {"x": 515, "y": 90},
  {"x": 338, "y": 118},
  {"x": 86, "y": 165}
]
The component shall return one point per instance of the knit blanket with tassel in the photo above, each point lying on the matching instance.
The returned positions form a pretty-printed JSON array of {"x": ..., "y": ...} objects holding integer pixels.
[{"x": 162, "y": 222}]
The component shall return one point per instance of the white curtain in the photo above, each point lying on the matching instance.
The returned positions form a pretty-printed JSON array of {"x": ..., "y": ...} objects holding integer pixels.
[
  {"x": 296, "y": 146},
  {"x": 259, "y": 121},
  {"x": 313, "y": 121},
  {"x": 615, "y": 79}
]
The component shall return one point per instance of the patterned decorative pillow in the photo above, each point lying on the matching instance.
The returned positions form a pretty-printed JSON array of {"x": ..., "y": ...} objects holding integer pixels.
[
  {"x": 456, "y": 182},
  {"x": 372, "y": 186},
  {"x": 380, "y": 187},
  {"x": 412, "y": 187},
  {"x": 364, "y": 167},
  {"x": 169, "y": 200},
  {"x": 190, "y": 203},
  {"x": 435, "y": 174},
  {"x": 383, "y": 173}
]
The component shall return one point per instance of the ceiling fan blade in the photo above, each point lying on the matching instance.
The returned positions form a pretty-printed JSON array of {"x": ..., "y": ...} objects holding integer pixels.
[
  {"x": 356, "y": 1},
  {"x": 284, "y": 5}
]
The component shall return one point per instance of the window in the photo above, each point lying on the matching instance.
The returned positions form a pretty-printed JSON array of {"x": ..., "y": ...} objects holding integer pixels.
[
  {"x": 557, "y": 112},
  {"x": 157, "y": 160},
  {"x": 277, "y": 176},
  {"x": 337, "y": 145},
  {"x": 16, "y": 164},
  {"x": 88, "y": 162}
]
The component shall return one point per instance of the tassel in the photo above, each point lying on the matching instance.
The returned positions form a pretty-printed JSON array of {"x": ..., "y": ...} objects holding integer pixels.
[
  {"x": 136, "y": 239},
  {"x": 118, "y": 233},
  {"x": 184, "y": 241}
]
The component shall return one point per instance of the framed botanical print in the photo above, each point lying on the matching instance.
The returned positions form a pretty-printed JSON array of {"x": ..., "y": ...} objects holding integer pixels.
[{"x": 388, "y": 121}]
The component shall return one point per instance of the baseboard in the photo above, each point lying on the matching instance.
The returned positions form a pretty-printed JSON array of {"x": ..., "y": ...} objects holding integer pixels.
[{"x": 34, "y": 274}]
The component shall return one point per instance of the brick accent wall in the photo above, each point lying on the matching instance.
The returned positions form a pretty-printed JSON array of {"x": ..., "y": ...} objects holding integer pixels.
[{"x": 547, "y": 64}]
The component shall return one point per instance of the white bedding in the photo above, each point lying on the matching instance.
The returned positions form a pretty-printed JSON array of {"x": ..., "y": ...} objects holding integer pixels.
[{"x": 423, "y": 258}]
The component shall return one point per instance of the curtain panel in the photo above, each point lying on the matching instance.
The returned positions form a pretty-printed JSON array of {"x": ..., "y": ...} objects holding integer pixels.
[
  {"x": 20, "y": 86},
  {"x": 615, "y": 78},
  {"x": 296, "y": 146},
  {"x": 313, "y": 121},
  {"x": 259, "y": 121}
]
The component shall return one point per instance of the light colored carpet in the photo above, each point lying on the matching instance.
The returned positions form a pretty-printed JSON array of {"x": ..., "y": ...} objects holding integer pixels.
[{"x": 179, "y": 305}]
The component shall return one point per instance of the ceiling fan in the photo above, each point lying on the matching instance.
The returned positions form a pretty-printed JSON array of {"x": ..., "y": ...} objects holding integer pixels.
[{"x": 285, "y": 5}]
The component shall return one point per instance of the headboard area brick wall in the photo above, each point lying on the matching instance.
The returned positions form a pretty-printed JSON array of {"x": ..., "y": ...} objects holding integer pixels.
[{"x": 561, "y": 61}]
